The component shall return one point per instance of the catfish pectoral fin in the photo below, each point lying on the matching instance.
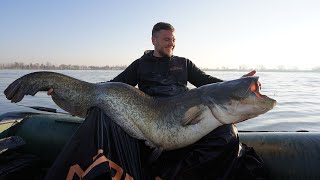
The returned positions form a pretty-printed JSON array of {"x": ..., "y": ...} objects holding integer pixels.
[
  {"x": 150, "y": 144},
  {"x": 155, "y": 155},
  {"x": 192, "y": 116}
]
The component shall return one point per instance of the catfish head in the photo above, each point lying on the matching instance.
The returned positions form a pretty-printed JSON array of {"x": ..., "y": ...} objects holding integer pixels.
[{"x": 236, "y": 100}]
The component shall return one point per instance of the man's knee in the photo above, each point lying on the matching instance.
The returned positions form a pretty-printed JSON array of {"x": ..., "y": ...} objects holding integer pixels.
[{"x": 225, "y": 135}]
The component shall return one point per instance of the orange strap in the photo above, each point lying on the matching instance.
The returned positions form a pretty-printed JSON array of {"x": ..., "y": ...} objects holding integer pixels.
[{"x": 76, "y": 169}]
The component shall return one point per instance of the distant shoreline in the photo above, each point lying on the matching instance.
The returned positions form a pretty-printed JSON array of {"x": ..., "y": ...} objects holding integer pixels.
[
  {"x": 224, "y": 70},
  {"x": 48, "y": 66}
]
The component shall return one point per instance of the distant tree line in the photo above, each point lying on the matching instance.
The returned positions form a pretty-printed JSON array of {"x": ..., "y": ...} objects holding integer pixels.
[
  {"x": 281, "y": 68},
  {"x": 49, "y": 66}
]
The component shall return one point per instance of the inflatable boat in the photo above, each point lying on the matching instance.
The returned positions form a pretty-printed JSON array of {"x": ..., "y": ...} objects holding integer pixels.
[{"x": 30, "y": 142}]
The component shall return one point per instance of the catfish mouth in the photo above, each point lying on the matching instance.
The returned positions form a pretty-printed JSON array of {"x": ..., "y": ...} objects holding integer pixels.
[{"x": 255, "y": 87}]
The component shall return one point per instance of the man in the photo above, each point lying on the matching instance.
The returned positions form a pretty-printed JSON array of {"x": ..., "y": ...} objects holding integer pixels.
[{"x": 161, "y": 74}]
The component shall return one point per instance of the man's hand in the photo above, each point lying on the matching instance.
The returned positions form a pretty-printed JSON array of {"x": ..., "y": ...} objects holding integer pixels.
[
  {"x": 50, "y": 92},
  {"x": 250, "y": 73}
]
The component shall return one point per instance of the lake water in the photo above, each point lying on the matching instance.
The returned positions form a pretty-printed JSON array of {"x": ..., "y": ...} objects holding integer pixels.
[{"x": 297, "y": 94}]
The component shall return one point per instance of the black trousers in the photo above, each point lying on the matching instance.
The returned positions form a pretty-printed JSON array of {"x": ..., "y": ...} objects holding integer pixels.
[{"x": 212, "y": 157}]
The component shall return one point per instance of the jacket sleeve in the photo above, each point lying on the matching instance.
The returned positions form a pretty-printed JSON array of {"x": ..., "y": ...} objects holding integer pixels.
[
  {"x": 129, "y": 75},
  {"x": 197, "y": 77}
]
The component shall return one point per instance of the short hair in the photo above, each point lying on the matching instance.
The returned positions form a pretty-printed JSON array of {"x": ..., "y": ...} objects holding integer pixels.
[{"x": 160, "y": 26}]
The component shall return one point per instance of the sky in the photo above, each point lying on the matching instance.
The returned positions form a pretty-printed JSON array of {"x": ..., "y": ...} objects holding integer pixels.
[{"x": 211, "y": 33}]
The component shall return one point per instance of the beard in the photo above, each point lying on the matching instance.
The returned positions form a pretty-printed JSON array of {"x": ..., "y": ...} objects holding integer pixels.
[{"x": 165, "y": 52}]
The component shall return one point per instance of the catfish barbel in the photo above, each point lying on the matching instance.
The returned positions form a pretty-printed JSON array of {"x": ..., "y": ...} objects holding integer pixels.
[{"x": 165, "y": 123}]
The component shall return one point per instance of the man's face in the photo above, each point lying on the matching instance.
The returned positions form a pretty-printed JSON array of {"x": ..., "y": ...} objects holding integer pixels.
[{"x": 164, "y": 43}]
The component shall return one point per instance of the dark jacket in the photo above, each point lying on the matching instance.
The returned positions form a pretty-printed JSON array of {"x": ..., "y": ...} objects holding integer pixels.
[{"x": 163, "y": 76}]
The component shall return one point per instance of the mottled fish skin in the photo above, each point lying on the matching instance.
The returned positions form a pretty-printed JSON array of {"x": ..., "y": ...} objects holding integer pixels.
[{"x": 166, "y": 123}]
